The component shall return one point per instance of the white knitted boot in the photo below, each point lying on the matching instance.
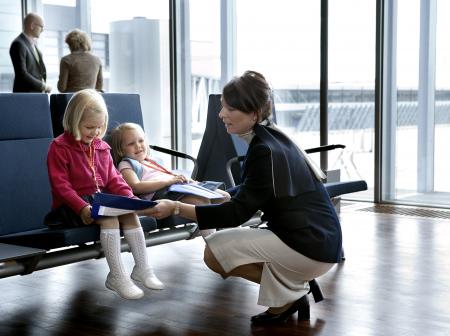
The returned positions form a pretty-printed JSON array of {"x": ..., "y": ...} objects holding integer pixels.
[
  {"x": 142, "y": 271},
  {"x": 117, "y": 279}
]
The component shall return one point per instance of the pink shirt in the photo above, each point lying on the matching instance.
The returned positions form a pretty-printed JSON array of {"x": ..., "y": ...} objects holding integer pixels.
[
  {"x": 71, "y": 176},
  {"x": 148, "y": 174}
]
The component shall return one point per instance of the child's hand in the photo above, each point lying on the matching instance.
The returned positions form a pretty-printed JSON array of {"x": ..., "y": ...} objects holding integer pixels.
[
  {"x": 178, "y": 179},
  {"x": 226, "y": 195},
  {"x": 85, "y": 215}
]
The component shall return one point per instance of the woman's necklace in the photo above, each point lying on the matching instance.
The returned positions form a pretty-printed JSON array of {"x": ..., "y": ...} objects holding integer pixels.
[{"x": 248, "y": 136}]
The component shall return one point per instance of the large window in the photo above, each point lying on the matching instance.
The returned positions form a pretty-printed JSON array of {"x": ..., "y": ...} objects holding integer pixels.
[
  {"x": 283, "y": 43},
  {"x": 132, "y": 42},
  {"x": 351, "y": 96},
  {"x": 442, "y": 99},
  {"x": 418, "y": 105},
  {"x": 280, "y": 39},
  {"x": 137, "y": 60},
  {"x": 10, "y": 27},
  {"x": 205, "y": 65}
]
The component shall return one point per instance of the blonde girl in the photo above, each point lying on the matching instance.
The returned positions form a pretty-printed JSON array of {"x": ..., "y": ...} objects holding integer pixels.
[
  {"x": 79, "y": 165},
  {"x": 146, "y": 177}
]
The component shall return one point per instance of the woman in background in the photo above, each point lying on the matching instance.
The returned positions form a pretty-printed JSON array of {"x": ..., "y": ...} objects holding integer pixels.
[{"x": 80, "y": 69}]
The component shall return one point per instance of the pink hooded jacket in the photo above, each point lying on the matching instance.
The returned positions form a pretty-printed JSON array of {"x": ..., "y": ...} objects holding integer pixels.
[{"x": 71, "y": 176}]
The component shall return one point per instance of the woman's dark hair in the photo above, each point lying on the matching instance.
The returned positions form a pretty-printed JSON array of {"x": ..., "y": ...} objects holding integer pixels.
[{"x": 249, "y": 93}]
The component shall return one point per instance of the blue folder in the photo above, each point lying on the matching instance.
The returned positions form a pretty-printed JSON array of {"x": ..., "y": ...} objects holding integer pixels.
[{"x": 115, "y": 205}]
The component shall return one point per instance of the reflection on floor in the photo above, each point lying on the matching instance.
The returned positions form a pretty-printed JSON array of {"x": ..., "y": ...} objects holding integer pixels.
[{"x": 395, "y": 281}]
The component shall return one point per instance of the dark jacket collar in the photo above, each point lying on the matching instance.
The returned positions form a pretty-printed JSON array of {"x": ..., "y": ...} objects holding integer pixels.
[{"x": 291, "y": 173}]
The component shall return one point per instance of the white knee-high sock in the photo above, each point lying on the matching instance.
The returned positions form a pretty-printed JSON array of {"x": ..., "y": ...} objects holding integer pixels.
[
  {"x": 136, "y": 240},
  {"x": 110, "y": 240}
]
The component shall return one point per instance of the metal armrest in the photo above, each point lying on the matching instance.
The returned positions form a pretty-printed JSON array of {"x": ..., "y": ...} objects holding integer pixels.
[
  {"x": 230, "y": 162},
  {"x": 237, "y": 159},
  {"x": 323, "y": 148},
  {"x": 177, "y": 154}
]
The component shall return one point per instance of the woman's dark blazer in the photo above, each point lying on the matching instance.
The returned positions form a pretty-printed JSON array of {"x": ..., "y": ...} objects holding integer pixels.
[{"x": 297, "y": 208}]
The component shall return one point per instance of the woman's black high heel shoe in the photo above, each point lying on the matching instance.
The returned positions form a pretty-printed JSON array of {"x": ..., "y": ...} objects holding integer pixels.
[
  {"x": 301, "y": 305},
  {"x": 315, "y": 290}
]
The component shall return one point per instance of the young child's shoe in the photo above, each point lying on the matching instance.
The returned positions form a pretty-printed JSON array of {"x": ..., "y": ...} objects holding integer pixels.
[
  {"x": 147, "y": 277},
  {"x": 124, "y": 287}
]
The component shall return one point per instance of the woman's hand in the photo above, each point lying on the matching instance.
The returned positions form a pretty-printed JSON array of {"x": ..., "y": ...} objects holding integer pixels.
[
  {"x": 166, "y": 208},
  {"x": 163, "y": 209},
  {"x": 85, "y": 215}
]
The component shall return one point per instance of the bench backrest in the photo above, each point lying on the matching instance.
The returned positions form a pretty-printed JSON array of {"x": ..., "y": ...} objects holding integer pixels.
[
  {"x": 217, "y": 147},
  {"x": 25, "y": 135},
  {"x": 122, "y": 107}
]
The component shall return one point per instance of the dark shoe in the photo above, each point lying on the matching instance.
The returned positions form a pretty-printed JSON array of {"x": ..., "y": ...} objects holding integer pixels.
[
  {"x": 315, "y": 290},
  {"x": 301, "y": 305}
]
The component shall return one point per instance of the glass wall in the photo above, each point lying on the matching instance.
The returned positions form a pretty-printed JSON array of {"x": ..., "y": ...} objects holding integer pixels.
[
  {"x": 132, "y": 42},
  {"x": 408, "y": 37},
  {"x": 270, "y": 44},
  {"x": 351, "y": 97},
  {"x": 204, "y": 69},
  {"x": 442, "y": 99},
  {"x": 283, "y": 43},
  {"x": 10, "y": 27},
  {"x": 136, "y": 46},
  {"x": 416, "y": 137},
  {"x": 281, "y": 39}
]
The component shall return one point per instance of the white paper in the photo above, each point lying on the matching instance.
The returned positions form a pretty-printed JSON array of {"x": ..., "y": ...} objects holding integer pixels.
[
  {"x": 194, "y": 189},
  {"x": 107, "y": 211}
]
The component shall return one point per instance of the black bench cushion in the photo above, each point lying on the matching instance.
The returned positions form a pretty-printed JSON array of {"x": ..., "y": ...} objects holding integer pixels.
[
  {"x": 340, "y": 188},
  {"x": 45, "y": 238}
]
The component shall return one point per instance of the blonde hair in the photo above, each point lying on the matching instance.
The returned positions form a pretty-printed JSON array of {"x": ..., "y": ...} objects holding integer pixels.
[
  {"x": 116, "y": 138},
  {"x": 84, "y": 101},
  {"x": 78, "y": 40}
]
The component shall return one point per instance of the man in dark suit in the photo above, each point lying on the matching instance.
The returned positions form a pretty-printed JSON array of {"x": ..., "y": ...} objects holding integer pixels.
[{"x": 29, "y": 67}]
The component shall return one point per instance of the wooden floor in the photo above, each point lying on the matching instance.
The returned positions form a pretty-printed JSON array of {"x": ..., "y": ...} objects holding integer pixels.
[{"x": 395, "y": 281}]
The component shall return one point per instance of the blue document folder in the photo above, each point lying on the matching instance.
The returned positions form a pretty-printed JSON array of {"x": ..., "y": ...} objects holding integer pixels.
[{"x": 115, "y": 205}]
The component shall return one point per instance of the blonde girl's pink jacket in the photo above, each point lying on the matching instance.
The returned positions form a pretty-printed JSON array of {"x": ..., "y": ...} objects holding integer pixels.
[{"x": 71, "y": 176}]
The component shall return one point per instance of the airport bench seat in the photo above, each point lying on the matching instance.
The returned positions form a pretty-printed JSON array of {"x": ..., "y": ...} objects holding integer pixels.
[{"x": 25, "y": 197}]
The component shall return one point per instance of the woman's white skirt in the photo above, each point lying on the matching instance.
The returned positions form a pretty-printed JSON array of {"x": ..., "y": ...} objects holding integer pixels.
[{"x": 285, "y": 272}]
